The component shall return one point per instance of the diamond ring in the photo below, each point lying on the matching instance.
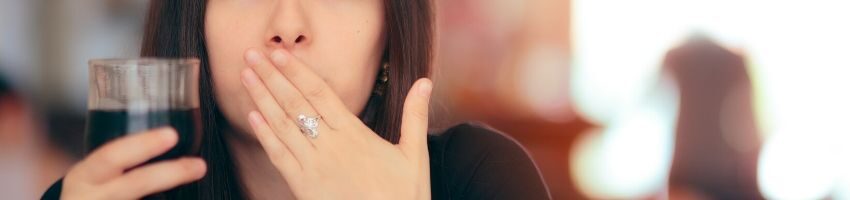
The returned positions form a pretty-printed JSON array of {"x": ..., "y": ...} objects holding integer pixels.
[{"x": 309, "y": 125}]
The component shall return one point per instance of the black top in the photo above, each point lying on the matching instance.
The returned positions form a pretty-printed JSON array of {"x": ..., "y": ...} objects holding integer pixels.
[{"x": 468, "y": 162}]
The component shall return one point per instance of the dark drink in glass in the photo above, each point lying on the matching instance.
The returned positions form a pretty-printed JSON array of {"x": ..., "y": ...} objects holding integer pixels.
[
  {"x": 105, "y": 125},
  {"x": 128, "y": 96}
]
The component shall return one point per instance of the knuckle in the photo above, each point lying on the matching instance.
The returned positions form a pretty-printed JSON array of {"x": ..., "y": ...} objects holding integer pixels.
[
  {"x": 265, "y": 75},
  {"x": 292, "y": 104},
  {"x": 315, "y": 92},
  {"x": 265, "y": 99},
  {"x": 419, "y": 113},
  {"x": 279, "y": 125},
  {"x": 106, "y": 159}
]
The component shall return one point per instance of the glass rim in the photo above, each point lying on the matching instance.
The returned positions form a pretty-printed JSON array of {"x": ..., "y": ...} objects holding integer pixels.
[{"x": 143, "y": 61}]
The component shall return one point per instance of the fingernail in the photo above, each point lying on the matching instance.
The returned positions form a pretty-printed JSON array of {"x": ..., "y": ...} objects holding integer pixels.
[
  {"x": 279, "y": 57},
  {"x": 249, "y": 78},
  {"x": 169, "y": 135},
  {"x": 425, "y": 88},
  {"x": 255, "y": 118},
  {"x": 167, "y": 131},
  {"x": 252, "y": 57}
]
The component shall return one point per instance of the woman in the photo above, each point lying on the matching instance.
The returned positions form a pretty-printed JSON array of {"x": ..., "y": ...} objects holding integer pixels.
[{"x": 357, "y": 67}]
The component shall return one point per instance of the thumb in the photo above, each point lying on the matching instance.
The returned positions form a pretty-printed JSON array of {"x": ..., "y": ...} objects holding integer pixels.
[{"x": 414, "y": 120}]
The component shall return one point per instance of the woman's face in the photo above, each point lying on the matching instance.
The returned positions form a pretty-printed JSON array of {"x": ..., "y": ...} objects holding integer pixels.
[{"x": 341, "y": 40}]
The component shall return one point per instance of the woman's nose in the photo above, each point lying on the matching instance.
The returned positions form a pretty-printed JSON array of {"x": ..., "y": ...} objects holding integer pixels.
[
  {"x": 278, "y": 41},
  {"x": 288, "y": 26}
]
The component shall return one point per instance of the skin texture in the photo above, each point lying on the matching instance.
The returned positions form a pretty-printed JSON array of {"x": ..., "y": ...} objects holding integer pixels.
[
  {"x": 348, "y": 160},
  {"x": 272, "y": 60},
  {"x": 341, "y": 40}
]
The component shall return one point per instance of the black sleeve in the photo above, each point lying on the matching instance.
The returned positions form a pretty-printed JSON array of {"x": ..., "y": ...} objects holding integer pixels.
[
  {"x": 473, "y": 162},
  {"x": 54, "y": 192}
]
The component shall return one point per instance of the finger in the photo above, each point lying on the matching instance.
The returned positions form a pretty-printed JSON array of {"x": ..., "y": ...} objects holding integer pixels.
[
  {"x": 278, "y": 153},
  {"x": 414, "y": 121},
  {"x": 286, "y": 95},
  {"x": 313, "y": 88},
  {"x": 156, "y": 177},
  {"x": 111, "y": 159},
  {"x": 284, "y": 128}
]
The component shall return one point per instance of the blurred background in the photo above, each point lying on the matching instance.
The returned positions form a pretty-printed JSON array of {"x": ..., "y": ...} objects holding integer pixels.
[{"x": 613, "y": 99}]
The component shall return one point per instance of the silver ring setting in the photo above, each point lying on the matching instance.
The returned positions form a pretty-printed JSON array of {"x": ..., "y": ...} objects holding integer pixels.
[{"x": 309, "y": 125}]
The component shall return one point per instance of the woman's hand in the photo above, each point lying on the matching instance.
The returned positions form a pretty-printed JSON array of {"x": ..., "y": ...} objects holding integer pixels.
[
  {"x": 102, "y": 174},
  {"x": 347, "y": 160}
]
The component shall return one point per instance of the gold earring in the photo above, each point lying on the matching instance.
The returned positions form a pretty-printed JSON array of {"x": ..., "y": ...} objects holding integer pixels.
[{"x": 383, "y": 80}]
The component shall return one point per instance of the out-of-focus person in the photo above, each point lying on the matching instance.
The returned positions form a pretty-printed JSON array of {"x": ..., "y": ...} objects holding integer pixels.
[
  {"x": 28, "y": 164},
  {"x": 717, "y": 142}
]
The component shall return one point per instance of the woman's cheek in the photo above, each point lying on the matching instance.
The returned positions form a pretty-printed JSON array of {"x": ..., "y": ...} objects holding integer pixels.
[
  {"x": 231, "y": 97},
  {"x": 228, "y": 35}
]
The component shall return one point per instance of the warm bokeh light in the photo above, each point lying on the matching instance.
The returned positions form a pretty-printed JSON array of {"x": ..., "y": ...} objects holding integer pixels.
[
  {"x": 803, "y": 166},
  {"x": 799, "y": 56},
  {"x": 631, "y": 157},
  {"x": 544, "y": 85}
]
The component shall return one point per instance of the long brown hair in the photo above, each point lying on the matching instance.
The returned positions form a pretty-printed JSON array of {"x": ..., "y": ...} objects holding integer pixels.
[{"x": 175, "y": 28}]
